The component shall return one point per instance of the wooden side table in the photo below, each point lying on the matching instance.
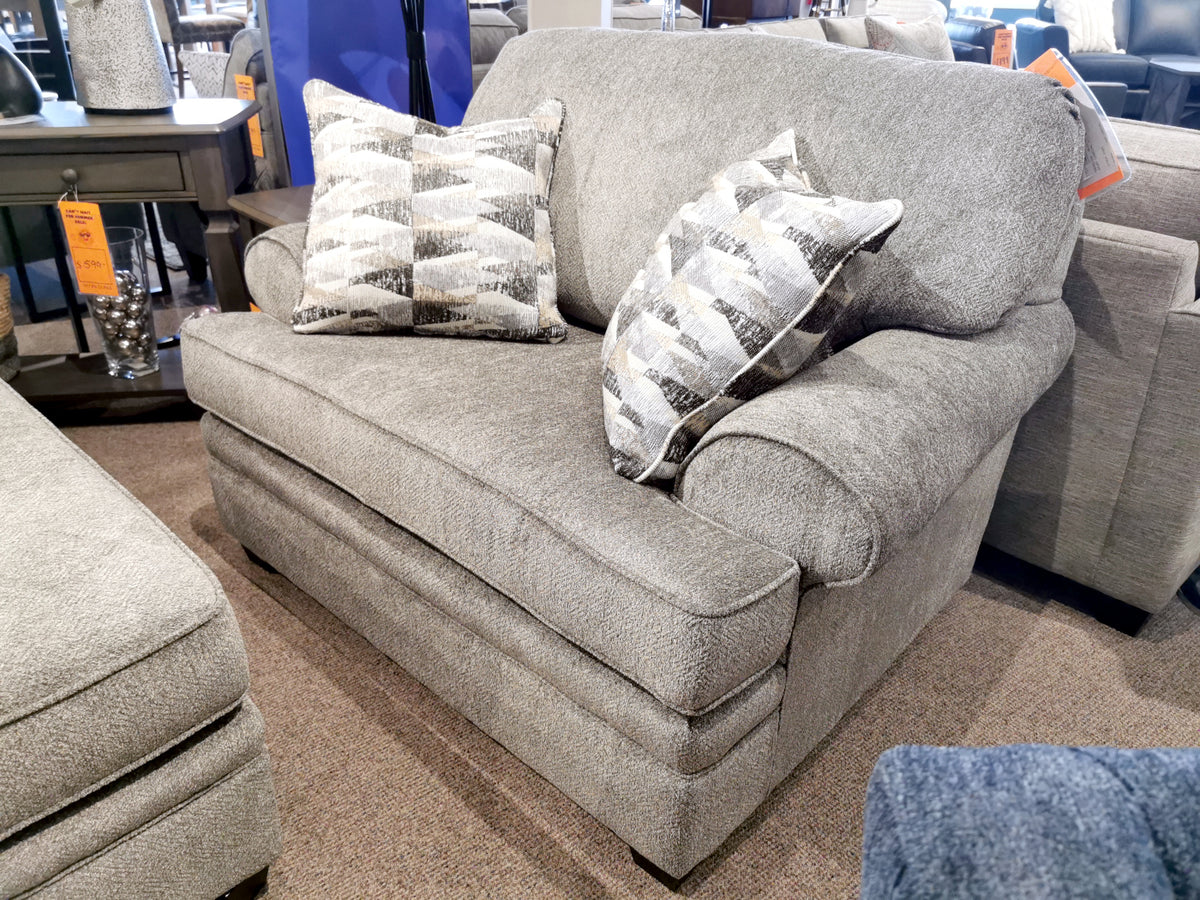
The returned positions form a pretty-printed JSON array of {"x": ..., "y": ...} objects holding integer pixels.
[
  {"x": 199, "y": 151},
  {"x": 269, "y": 209},
  {"x": 1170, "y": 81}
]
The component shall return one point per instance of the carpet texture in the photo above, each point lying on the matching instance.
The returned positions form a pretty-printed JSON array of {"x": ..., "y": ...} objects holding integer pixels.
[{"x": 386, "y": 792}]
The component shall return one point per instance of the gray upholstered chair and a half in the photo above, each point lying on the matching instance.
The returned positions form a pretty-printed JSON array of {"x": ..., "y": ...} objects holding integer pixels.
[{"x": 667, "y": 655}]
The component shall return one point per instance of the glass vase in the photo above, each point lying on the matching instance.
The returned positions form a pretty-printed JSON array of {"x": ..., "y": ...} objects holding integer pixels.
[
  {"x": 126, "y": 321},
  {"x": 668, "y": 18}
]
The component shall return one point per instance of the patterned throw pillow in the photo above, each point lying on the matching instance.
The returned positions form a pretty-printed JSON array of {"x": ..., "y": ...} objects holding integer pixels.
[
  {"x": 430, "y": 230},
  {"x": 923, "y": 40},
  {"x": 731, "y": 303}
]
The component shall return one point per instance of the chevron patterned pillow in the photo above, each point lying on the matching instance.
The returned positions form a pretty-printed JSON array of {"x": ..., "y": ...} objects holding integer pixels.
[
  {"x": 429, "y": 230},
  {"x": 732, "y": 302}
]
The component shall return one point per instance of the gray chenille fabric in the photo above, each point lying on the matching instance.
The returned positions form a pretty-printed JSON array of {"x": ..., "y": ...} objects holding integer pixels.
[
  {"x": 1162, "y": 197},
  {"x": 100, "y": 667},
  {"x": 275, "y": 270},
  {"x": 969, "y": 249},
  {"x": 252, "y": 483},
  {"x": 516, "y": 485},
  {"x": 1032, "y": 822},
  {"x": 838, "y": 467},
  {"x": 150, "y": 792},
  {"x": 1115, "y": 506},
  {"x": 675, "y": 818}
]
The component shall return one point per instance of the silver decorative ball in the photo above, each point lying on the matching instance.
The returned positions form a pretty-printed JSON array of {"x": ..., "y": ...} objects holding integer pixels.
[{"x": 125, "y": 345}]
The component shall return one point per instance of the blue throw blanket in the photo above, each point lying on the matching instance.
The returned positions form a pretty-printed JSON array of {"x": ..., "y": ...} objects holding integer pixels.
[{"x": 1033, "y": 821}]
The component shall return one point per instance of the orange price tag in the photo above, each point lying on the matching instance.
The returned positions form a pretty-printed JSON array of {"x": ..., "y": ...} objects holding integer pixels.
[
  {"x": 245, "y": 91},
  {"x": 1002, "y": 48},
  {"x": 89, "y": 249},
  {"x": 1047, "y": 64}
]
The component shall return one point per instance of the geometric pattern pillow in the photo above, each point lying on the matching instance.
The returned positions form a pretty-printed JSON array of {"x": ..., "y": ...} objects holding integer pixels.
[
  {"x": 733, "y": 301},
  {"x": 429, "y": 230},
  {"x": 924, "y": 40}
]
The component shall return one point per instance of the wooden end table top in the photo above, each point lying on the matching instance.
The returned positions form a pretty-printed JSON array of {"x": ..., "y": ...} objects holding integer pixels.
[{"x": 282, "y": 206}]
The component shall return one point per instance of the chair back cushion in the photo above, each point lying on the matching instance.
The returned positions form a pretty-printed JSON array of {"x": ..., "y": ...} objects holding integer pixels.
[
  {"x": 1160, "y": 27},
  {"x": 986, "y": 162}
]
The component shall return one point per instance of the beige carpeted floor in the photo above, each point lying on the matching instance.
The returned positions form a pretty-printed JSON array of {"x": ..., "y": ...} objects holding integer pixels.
[{"x": 386, "y": 792}]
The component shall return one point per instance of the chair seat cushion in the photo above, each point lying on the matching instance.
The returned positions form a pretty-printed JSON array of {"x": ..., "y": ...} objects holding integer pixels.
[
  {"x": 1123, "y": 67},
  {"x": 115, "y": 641},
  {"x": 495, "y": 455}
]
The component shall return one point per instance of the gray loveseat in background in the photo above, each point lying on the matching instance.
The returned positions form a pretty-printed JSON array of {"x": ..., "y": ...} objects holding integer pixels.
[
  {"x": 1103, "y": 485},
  {"x": 667, "y": 658}
]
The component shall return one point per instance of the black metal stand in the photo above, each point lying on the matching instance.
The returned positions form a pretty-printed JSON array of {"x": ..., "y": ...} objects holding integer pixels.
[
  {"x": 164, "y": 276},
  {"x": 60, "y": 63},
  {"x": 18, "y": 258},
  {"x": 420, "y": 92}
]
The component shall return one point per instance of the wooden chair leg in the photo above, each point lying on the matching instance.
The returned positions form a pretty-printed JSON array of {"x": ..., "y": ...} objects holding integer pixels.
[{"x": 179, "y": 68}]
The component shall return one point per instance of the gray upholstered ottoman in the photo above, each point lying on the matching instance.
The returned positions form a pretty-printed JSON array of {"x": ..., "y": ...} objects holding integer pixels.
[{"x": 132, "y": 762}]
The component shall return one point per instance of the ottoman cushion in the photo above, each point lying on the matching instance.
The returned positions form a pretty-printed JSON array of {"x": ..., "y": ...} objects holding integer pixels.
[{"x": 108, "y": 655}]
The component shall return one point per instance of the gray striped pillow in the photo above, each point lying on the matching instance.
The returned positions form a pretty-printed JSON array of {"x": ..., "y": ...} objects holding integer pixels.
[{"x": 732, "y": 302}]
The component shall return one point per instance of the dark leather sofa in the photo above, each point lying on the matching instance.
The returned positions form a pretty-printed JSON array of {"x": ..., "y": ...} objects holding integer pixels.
[{"x": 1145, "y": 30}]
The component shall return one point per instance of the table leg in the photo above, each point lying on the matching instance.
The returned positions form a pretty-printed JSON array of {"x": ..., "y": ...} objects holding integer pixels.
[
  {"x": 164, "y": 274},
  {"x": 221, "y": 166}
]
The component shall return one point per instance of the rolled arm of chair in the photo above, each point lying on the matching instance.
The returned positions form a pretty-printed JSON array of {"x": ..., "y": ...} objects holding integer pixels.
[
  {"x": 275, "y": 270},
  {"x": 1035, "y": 37},
  {"x": 842, "y": 464}
]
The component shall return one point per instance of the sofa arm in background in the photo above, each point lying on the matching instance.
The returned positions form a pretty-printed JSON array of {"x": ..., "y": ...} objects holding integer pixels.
[
  {"x": 1035, "y": 37},
  {"x": 973, "y": 32},
  {"x": 1164, "y": 193},
  {"x": 275, "y": 270},
  {"x": 842, "y": 464},
  {"x": 1103, "y": 484}
]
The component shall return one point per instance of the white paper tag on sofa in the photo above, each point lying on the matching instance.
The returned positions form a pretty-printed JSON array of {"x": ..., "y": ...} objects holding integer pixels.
[{"x": 1104, "y": 162}]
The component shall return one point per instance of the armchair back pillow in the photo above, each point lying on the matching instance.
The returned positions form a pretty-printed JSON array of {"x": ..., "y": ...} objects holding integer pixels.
[
  {"x": 431, "y": 230},
  {"x": 733, "y": 301},
  {"x": 1090, "y": 25}
]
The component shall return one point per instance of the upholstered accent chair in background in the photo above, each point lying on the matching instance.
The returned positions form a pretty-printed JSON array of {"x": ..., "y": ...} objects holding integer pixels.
[
  {"x": 1144, "y": 30},
  {"x": 177, "y": 29},
  {"x": 1103, "y": 484}
]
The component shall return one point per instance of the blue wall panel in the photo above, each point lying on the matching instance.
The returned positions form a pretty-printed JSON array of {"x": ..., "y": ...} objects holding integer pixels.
[{"x": 359, "y": 45}]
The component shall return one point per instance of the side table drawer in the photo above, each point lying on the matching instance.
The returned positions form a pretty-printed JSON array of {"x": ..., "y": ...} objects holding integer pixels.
[{"x": 99, "y": 173}]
